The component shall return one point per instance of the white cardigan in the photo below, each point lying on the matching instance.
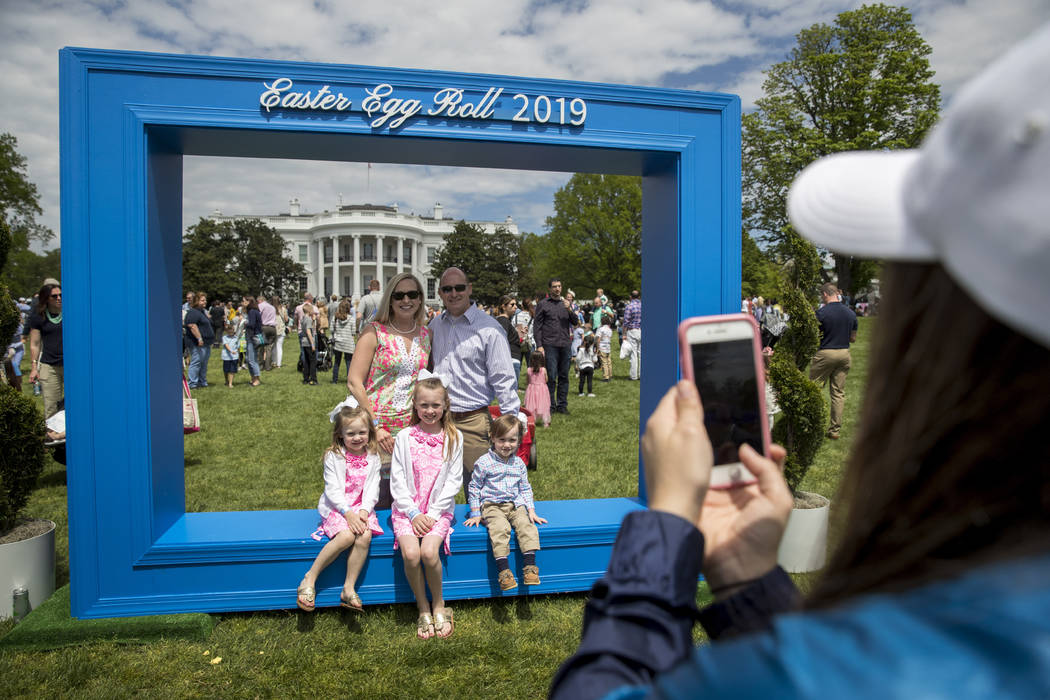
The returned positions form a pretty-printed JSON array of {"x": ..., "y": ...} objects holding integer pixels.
[
  {"x": 403, "y": 486},
  {"x": 334, "y": 496}
]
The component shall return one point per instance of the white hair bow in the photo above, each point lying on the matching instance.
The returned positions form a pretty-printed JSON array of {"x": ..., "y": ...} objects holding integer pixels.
[
  {"x": 427, "y": 374},
  {"x": 350, "y": 402}
]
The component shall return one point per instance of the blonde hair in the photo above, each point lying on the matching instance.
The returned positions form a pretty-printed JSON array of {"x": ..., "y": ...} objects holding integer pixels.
[
  {"x": 451, "y": 432},
  {"x": 342, "y": 421},
  {"x": 505, "y": 425},
  {"x": 383, "y": 314}
]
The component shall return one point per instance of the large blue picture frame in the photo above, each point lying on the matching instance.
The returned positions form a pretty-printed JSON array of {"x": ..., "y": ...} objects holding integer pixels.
[{"x": 128, "y": 118}]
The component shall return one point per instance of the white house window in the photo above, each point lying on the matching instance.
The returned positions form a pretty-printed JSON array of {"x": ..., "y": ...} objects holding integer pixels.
[
  {"x": 431, "y": 254},
  {"x": 304, "y": 254},
  {"x": 431, "y": 287},
  {"x": 368, "y": 251},
  {"x": 407, "y": 256}
]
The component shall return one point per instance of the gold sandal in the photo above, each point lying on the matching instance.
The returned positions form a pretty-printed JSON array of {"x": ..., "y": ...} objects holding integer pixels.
[
  {"x": 439, "y": 623},
  {"x": 423, "y": 623},
  {"x": 351, "y": 602},
  {"x": 305, "y": 597}
]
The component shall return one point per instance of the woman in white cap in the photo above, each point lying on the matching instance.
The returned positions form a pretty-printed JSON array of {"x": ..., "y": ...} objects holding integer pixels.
[{"x": 940, "y": 585}]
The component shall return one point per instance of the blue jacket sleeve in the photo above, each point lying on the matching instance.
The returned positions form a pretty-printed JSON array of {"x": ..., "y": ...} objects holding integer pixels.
[{"x": 639, "y": 620}]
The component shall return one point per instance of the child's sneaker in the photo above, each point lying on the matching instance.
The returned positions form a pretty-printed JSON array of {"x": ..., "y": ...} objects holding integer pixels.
[
  {"x": 530, "y": 575},
  {"x": 581, "y": 395},
  {"x": 507, "y": 580},
  {"x": 590, "y": 395}
]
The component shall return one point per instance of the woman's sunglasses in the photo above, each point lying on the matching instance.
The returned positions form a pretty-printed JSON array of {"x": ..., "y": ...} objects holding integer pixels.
[{"x": 398, "y": 296}]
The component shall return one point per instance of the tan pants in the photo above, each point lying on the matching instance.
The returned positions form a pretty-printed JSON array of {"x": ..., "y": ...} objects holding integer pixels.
[
  {"x": 52, "y": 386},
  {"x": 475, "y": 429},
  {"x": 606, "y": 364},
  {"x": 832, "y": 365},
  {"x": 499, "y": 518}
]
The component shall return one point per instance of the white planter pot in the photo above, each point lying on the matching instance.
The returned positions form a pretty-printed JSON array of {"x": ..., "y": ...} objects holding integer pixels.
[
  {"x": 805, "y": 543},
  {"x": 28, "y": 564}
]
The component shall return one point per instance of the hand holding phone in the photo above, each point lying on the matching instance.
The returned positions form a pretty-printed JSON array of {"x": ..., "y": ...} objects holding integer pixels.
[{"x": 722, "y": 355}]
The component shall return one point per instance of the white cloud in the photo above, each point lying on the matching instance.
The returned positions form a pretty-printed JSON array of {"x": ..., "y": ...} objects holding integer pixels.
[{"x": 629, "y": 41}]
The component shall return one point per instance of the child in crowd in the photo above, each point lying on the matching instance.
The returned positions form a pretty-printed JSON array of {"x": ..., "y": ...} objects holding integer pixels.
[
  {"x": 347, "y": 506},
  {"x": 426, "y": 473},
  {"x": 537, "y": 396},
  {"x": 230, "y": 345},
  {"x": 577, "y": 340},
  {"x": 586, "y": 357},
  {"x": 499, "y": 495},
  {"x": 604, "y": 334}
]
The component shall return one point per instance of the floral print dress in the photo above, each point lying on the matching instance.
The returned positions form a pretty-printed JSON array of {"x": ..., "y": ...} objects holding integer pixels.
[{"x": 395, "y": 367}]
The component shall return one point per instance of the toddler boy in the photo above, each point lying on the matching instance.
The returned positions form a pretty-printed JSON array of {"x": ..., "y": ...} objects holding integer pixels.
[{"x": 499, "y": 495}]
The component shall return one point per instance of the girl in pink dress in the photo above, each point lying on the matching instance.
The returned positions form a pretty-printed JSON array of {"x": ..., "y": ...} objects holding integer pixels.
[
  {"x": 347, "y": 506},
  {"x": 537, "y": 397},
  {"x": 426, "y": 473}
]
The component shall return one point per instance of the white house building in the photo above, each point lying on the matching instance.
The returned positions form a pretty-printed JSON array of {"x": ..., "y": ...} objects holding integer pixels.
[{"x": 346, "y": 248}]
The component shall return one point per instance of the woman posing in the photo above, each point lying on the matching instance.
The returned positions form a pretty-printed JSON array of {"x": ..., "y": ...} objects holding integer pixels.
[
  {"x": 281, "y": 328},
  {"x": 389, "y": 354}
]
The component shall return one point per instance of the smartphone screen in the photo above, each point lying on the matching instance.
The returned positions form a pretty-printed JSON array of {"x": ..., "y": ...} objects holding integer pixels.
[{"x": 724, "y": 373}]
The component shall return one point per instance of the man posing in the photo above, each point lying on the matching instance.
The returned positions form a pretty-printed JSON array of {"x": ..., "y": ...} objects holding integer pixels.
[
  {"x": 551, "y": 328},
  {"x": 838, "y": 328},
  {"x": 470, "y": 349}
]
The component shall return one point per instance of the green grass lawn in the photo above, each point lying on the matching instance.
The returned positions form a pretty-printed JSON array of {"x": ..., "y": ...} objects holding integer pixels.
[{"x": 260, "y": 449}]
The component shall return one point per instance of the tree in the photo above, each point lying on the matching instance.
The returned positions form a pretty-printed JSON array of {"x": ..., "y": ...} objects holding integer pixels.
[
  {"x": 229, "y": 258},
  {"x": 863, "y": 83},
  {"x": 759, "y": 274},
  {"x": 490, "y": 260},
  {"x": 594, "y": 238},
  {"x": 19, "y": 207}
]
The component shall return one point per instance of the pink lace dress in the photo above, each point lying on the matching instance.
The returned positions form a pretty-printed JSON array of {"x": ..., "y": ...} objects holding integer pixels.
[
  {"x": 356, "y": 474},
  {"x": 537, "y": 397},
  {"x": 428, "y": 456}
]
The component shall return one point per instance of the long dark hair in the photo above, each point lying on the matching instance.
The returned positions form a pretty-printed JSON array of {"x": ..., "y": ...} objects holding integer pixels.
[
  {"x": 951, "y": 468},
  {"x": 43, "y": 295}
]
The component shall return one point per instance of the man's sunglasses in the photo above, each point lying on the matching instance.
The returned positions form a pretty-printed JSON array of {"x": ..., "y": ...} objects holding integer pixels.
[
  {"x": 398, "y": 296},
  {"x": 449, "y": 287}
]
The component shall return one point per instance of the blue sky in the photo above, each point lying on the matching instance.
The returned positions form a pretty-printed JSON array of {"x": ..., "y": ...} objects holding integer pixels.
[{"x": 692, "y": 44}]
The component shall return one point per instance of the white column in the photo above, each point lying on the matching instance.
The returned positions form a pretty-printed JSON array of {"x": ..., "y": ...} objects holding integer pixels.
[
  {"x": 336, "y": 253},
  {"x": 318, "y": 285},
  {"x": 357, "y": 265},
  {"x": 379, "y": 260},
  {"x": 400, "y": 254}
]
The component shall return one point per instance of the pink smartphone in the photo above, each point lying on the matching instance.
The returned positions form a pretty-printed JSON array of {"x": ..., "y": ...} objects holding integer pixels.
[{"x": 723, "y": 356}]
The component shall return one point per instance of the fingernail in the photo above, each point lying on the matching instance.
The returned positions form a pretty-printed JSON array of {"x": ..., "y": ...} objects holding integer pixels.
[{"x": 684, "y": 387}]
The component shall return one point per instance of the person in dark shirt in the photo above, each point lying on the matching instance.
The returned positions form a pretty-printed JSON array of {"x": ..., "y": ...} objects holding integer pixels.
[
  {"x": 838, "y": 328},
  {"x": 554, "y": 318}
]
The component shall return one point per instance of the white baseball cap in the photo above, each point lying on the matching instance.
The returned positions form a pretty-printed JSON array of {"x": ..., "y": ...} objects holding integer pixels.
[{"x": 974, "y": 198}]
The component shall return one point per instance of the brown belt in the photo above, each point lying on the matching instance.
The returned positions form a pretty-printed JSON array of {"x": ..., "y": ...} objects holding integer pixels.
[{"x": 467, "y": 414}]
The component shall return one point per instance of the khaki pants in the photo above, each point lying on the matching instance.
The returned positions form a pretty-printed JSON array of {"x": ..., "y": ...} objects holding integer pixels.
[
  {"x": 832, "y": 365},
  {"x": 52, "y": 386},
  {"x": 499, "y": 518},
  {"x": 475, "y": 429},
  {"x": 606, "y": 364}
]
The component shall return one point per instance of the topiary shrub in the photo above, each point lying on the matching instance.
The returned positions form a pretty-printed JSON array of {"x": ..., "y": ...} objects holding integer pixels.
[
  {"x": 800, "y": 428},
  {"x": 22, "y": 451}
]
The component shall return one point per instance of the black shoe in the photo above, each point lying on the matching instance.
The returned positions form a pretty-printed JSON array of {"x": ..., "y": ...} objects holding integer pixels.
[{"x": 562, "y": 410}]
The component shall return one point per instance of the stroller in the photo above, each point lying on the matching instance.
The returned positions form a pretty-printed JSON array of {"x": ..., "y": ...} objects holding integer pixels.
[{"x": 324, "y": 353}]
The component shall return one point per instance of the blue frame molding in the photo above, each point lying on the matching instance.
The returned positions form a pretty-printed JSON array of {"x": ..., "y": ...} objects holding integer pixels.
[{"x": 128, "y": 118}]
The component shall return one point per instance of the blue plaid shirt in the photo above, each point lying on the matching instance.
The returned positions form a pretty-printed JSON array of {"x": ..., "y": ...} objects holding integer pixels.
[
  {"x": 500, "y": 481},
  {"x": 632, "y": 314}
]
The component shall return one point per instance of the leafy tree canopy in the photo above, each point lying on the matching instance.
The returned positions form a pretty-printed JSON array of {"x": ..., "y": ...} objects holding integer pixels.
[
  {"x": 19, "y": 207},
  {"x": 594, "y": 238},
  {"x": 226, "y": 259},
  {"x": 490, "y": 260},
  {"x": 863, "y": 83}
]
